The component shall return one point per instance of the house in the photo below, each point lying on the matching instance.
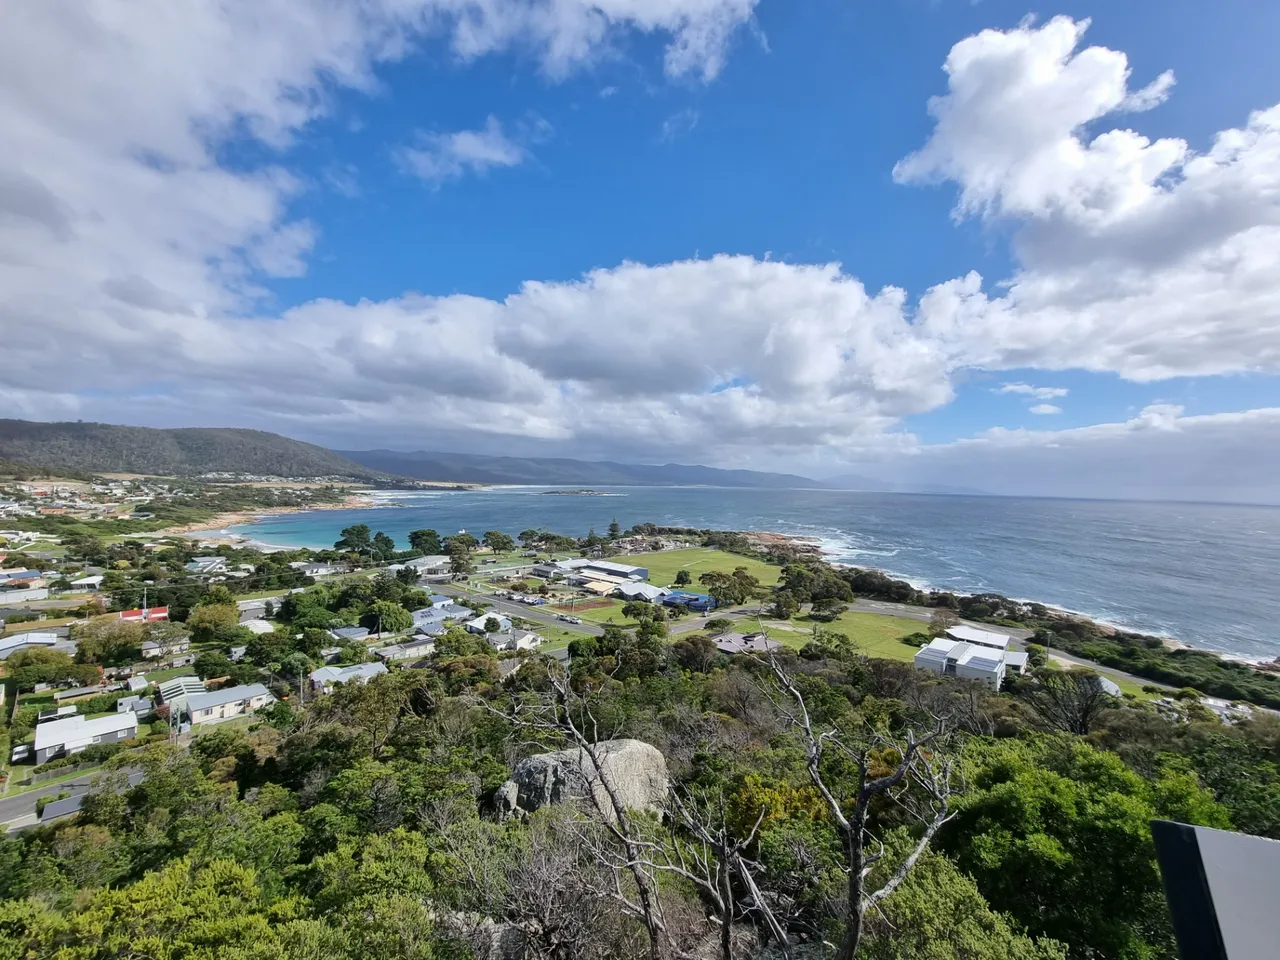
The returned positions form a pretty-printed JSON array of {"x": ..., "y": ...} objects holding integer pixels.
[
  {"x": 227, "y": 703},
  {"x": 252, "y": 610},
  {"x": 414, "y": 649},
  {"x": 25, "y": 641},
  {"x": 439, "y": 600},
  {"x": 88, "y": 583},
  {"x": 1016, "y": 661},
  {"x": 348, "y": 634},
  {"x": 311, "y": 569},
  {"x": 330, "y": 654},
  {"x": 185, "y": 660},
  {"x": 429, "y": 566},
  {"x": 207, "y": 565},
  {"x": 137, "y": 684},
  {"x": 606, "y": 568},
  {"x": 694, "y": 601},
  {"x": 141, "y": 706},
  {"x": 515, "y": 640},
  {"x": 326, "y": 678},
  {"x": 478, "y": 624},
  {"x": 145, "y": 615},
  {"x": 732, "y": 643},
  {"x": 73, "y": 734},
  {"x": 955, "y": 658},
  {"x": 429, "y": 615},
  {"x": 172, "y": 691},
  {"x": 258, "y": 627},
  {"x": 152, "y": 650},
  {"x": 983, "y": 638},
  {"x": 640, "y": 591}
]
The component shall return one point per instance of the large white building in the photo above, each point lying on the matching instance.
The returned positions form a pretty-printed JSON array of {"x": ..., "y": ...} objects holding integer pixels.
[
  {"x": 955, "y": 658},
  {"x": 982, "y": 638}
]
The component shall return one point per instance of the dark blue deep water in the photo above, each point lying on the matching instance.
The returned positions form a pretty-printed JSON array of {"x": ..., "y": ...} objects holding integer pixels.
[{"x": 1204, "y": 573}]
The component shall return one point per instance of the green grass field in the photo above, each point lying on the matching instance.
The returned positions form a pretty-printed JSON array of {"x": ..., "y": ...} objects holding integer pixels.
[
  {"x": 699, "y": 560},
  {"x": 872, "y": 634}
]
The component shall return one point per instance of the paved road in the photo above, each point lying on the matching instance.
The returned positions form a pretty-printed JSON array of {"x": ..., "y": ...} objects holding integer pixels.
[
  {"x": 506, "y": 607},
  {"x": 24, "y": 804}
]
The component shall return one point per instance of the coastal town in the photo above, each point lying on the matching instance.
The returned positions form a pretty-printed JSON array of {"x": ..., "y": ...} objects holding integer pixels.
[{"x": 116, "y": 640}]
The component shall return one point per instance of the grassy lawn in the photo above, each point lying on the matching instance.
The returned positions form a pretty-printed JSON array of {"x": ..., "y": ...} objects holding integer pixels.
[
  {"x": 36, "y": 626},
  {"x": 872, "y": 634},
  {"x": 602, "y": 614},
  {"x": 557, "y": 637},
  {"x": 699, "y": 560}
]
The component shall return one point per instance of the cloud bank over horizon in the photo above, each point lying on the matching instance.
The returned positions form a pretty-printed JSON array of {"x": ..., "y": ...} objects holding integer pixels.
[{"x": 135, "y": 257}]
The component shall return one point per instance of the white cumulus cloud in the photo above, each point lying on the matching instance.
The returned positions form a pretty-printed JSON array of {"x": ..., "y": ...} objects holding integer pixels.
[
  {"x": 1039, "y": 393},
  {"x": 1045, "y": 409},
  {"x": 436, "y": 157}
]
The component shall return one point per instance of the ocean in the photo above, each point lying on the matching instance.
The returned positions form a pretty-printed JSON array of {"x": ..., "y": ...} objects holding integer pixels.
[{"x": 1202, "y": 573}]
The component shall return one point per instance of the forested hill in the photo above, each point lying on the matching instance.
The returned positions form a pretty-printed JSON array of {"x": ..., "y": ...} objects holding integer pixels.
[
  {"x": 107, "y": 448},
  {"x": 463, "y": 467}
]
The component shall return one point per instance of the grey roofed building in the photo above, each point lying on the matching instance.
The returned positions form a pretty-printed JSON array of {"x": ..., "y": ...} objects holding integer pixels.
[
  {"x": 137, "y": 684},
  {"x": 983, "y": 638},
  {"x": 348, "y": 633},
  {"x": 25, "y": 641},
  {"x": 57, "y": 809},
  {"x": 227, "y": 702},
  {"x": 326, "y": 677},
  {"x": 478, "y": 624},
  {"x": 640, "y": 591},
  {"x": 73, "y": 734},
  {"x": 179, "y": 687},
  {"x": 733, "y": 643}
]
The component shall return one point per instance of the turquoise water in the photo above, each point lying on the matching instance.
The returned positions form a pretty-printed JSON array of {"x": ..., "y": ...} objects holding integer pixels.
[{"x": 1204, "y": 573}]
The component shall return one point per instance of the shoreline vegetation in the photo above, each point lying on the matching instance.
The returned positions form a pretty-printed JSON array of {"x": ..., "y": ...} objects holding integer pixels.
[{"x": 237, "y": 518}]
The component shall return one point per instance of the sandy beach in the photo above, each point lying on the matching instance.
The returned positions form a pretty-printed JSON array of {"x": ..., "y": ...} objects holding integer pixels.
[{"x": 356, "y": 501}]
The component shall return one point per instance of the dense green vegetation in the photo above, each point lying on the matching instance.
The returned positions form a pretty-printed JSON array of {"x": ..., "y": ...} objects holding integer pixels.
[
  {"x": 362, "y": 824},
  {"x": 106, "y": 448}
]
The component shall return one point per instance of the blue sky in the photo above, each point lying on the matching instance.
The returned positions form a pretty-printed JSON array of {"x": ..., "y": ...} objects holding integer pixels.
[{"x": 403, "y": 225}]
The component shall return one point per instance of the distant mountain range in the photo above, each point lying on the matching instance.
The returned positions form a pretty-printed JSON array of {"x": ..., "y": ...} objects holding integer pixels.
[
  {"x": 107, "y": 448},
  {"x": 475, "y": 468},
  {"x": 78, "y": 448}
]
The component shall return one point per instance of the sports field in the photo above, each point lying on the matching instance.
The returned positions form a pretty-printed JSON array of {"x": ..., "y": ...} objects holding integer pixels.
[{"x": 699, "y": 560}]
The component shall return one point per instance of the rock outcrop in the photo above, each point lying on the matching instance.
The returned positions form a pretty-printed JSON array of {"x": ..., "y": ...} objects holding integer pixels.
[{"x": 636, "y": 770}]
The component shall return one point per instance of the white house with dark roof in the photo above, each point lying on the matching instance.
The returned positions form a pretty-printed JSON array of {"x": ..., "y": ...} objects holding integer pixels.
[{"x": 515, "y": 640}]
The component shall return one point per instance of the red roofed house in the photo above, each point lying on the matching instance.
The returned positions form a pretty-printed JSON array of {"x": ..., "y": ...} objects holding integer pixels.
[{"x": 145, "y": 615}]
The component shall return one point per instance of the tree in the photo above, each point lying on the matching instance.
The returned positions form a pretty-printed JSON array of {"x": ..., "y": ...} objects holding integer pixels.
[
  {"x": 1057, "y": 833},
  {"x": 386, "y": 616},
  {"x": 43, "y": 665},
  {"x": 492, "y": 625},
  {"x": 213, "y": 623},
  {"x": 498, "y": 542},
  {"x": 730, "y": 589},
  {"x": 110, "y": 642},
  {"x": 357, "y": 538},
  {"x": 460, "y": 562},
  {"x": 383, "y": 546},
  {"x": 409, "y": 576},
  {"x": 425, "y": 542},
  {"x": 212, "y": 663},
  {"x": 529, "y": 538},
  {"x": 462, "y": 541},
  {"x": 939, "y": 914},
  {"x": 882, "y": 766},
  {"x": 615, "y": 530},
  {"x": 941, "y": 621},
  {"x": 217, "y": 595},
  {"x": 683, "y": 579},
  {"x": 593, "y": 538},
  {"x": 1069, "y": 700}
]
